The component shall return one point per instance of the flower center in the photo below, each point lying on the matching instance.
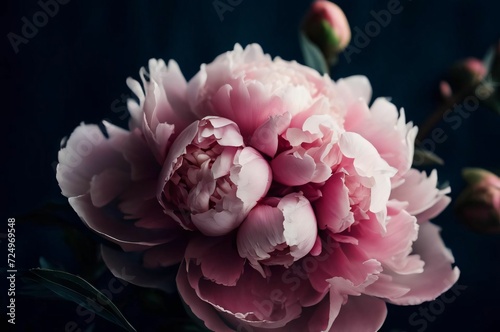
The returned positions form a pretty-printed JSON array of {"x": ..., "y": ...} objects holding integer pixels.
[{"x": 200, "y": 182}]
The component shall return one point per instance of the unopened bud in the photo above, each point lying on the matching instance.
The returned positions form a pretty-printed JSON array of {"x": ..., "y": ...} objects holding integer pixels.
[
  {"x": 466, "y": 74},
  {"x": 478, "y": 206},
  {"x": 326, "y": 26}
]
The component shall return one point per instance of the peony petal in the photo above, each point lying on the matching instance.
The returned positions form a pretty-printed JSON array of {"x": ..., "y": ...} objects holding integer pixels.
[
  {"x": 125, "y": 234},
  {"x": 175, "y": 87},
  {"x": 107, "y": 185},
  {"x": 87, "y": 153},
  {"x": 126, "y": 266},
  {"x": 278, "y": 235},
  {"x": 201, "y": 309},
  {"x": 359, "y": 86},
  {"x": 137, "y": 153},
  {"x": 177, "y": 149},
  {"x": 300, "y": 229},
  {"x": 268, "y": 305},
  {"x": 369, "y": 164},
  {"x": 438, "y": 275},
  {"x": 361, "y": 313},
  {"x": 252, "y": 177},
  {"x": 390, "y": 135},
  {"x": 222, "y": 165},
  {"x": 217, "y": 257},
  {"x": 393, "y": 245},
  {"x": 345, "y": 261},
  {"x": 293, "y": 169},
  {"x": 217, "y": 223},
  {"x": 424, "y": 199},
  {"x": 260, "y": 233},
  {"x": 333, "y": 209},
  {"x": 265, "y": 137},
  {"x": 225, "y": 131}
]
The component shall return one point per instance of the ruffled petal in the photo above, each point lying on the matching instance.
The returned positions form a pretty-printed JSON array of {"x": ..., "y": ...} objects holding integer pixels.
[
  {"x": 438, "y": 275},
  {"x": 424, "y": 199},
  {"x": 265, "y": 137},
  {"x": 278, "y": 235},
  {"x": 87, "y": 153}
]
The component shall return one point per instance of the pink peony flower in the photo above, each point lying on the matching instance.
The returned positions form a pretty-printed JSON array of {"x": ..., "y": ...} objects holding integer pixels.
[{"x": 288, "y": 201}]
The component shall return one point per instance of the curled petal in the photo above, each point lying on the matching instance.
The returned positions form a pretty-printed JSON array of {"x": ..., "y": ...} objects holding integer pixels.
[
  {"x": 265, "y": 137},
  {"x": 252, "y": 177},
  {"x": 278, "y": 234},
  {"x": 393, "y": 138},
  {"x": 368, "y": 164},
  {"x": 87, "y": 153},
  {"x": 425, "y": 200},
  {"x": 333, "y": 209},
  {"x": 437, "y": 276}
]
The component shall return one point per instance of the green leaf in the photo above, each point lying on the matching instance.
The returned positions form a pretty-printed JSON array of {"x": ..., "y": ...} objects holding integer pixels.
[
  {"x": 76, "y": 289},
  {"x": 313, "y": 56},
  {"x": 424, "y": 157},
  {"x": 28, "y": 288}
]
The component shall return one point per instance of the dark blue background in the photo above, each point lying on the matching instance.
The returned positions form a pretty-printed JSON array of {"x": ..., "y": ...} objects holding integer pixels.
[{"x": 74, "y": 70}]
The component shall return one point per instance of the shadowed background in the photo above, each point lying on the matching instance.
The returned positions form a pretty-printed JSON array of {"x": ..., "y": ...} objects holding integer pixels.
[{"x": 74, "y": 69}]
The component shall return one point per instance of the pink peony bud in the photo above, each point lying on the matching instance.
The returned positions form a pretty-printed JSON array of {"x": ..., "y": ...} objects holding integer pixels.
[
  {"x": 278, "y": 232},
  {"x": 478, "y": 206},
  {"x": 445, "y": 90},
  {"x": 326, "y": 26},
  {"x": 210, "y": 181},
  {"x": 467, "y": 73}
]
